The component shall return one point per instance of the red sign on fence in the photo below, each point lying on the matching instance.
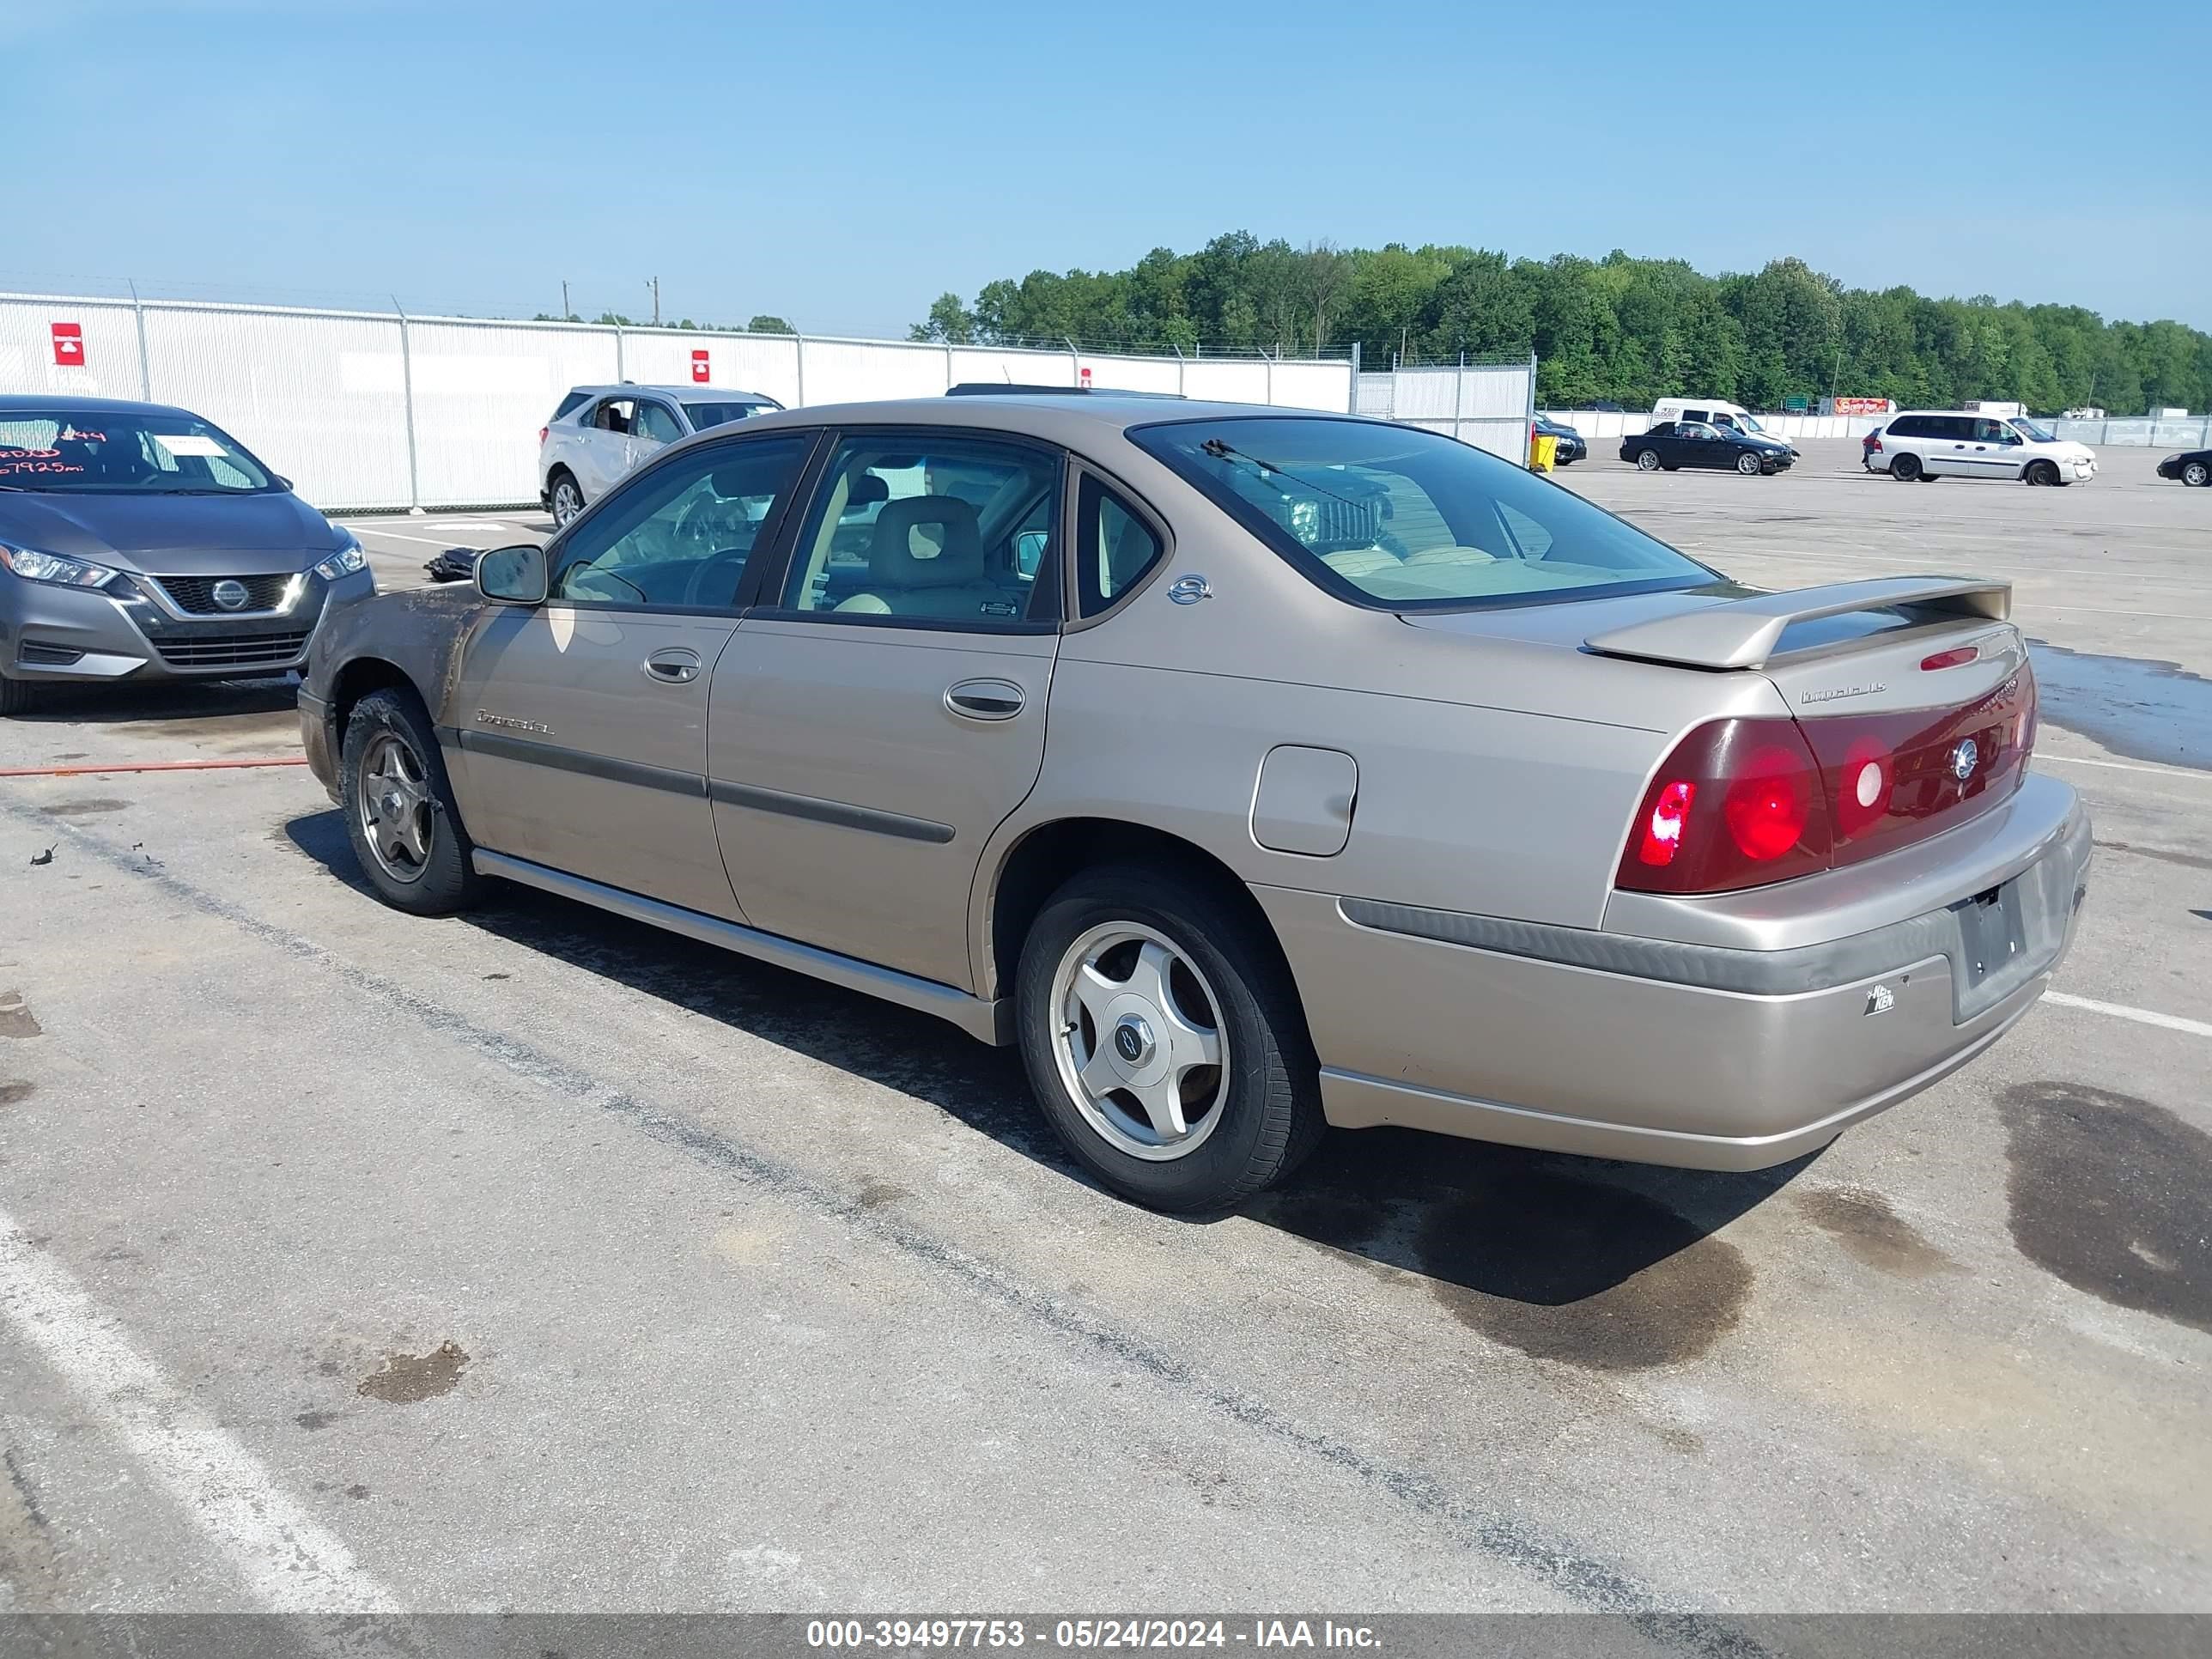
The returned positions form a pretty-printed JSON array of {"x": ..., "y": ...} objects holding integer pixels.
[
  {"x": 699, "y": 369},
  {"x": 68, "y": 344}
]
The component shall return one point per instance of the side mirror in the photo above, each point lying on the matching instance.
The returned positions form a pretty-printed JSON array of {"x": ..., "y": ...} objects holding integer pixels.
[
  {"x": 512, "y": 575},
  {"x": 1029, "y": 550}
]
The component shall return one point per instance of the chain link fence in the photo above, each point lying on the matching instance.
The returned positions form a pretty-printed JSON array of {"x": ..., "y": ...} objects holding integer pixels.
[{"x": 381, "y": 411}]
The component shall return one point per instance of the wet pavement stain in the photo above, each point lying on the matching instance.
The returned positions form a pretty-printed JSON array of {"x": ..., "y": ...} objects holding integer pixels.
[
  {"x": 2186, "y": 860},
  {"x": 15, "y": 1016},
  {"x": 405, "y": 1378},
  {"x": 14, "y": 1090},
  {"x": 1528, "y": 1263},
  {"x": 1870, "y": 1230},
  {"x": 2109, "y": 1192},
  {"x": 877, "y": 1194},
  {"x": 316, "y": 1419},
  {"x": 85, "y": 807},
  {"x": 2145, "y": 709},
  {"x": 1609, "y": 1266}
]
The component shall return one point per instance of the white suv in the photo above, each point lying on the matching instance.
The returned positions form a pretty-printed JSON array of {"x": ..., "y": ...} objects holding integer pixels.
[
  {"x": 1959, "y": 444},
  {"x": 601, "y": 432}
]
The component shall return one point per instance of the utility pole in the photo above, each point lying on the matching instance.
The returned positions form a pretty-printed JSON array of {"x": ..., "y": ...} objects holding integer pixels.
[
  {"x": 654, "y": 284},
  {"x": 565, "y": 313}
]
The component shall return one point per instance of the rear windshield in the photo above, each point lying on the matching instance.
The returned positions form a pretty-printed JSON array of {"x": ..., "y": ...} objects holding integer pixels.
[
  {"x": 1399, "y": 518},
  {"x": 721, "y": 414},
  {"x": 75, "y": 452}
]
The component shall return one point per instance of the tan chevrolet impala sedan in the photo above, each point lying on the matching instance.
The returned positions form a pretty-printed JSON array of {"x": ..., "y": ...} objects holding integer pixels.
[{"x": 1254, "y": 771}]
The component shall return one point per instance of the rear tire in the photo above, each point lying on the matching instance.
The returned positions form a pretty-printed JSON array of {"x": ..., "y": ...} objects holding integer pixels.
[
  {"x": 1905, "y": 468},
  {"x": 1647, "y": 460},
  {"x": 565, "y": 497},
  {"x": 2196, "y": 475},
  {"x": 2040, "y": 472},
  {"x": 1093, "y": 1017},
  {"x": 398, "y": 804},
  {"x": 1931, "y": 477}
]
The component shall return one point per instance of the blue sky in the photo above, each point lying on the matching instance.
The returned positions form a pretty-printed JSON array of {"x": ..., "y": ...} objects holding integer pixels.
[{"x": 841, "y": 166}]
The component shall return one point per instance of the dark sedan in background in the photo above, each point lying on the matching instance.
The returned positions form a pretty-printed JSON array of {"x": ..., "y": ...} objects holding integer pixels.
[
  {"x": 1673, "y": 444},
  {"x": 139, "y": 543},
  {"x": 1570, "y": 447},
  {"x": 2192, "y": 467}
]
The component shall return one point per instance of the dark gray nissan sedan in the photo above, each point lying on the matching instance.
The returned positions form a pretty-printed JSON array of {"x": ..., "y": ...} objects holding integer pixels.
[{"x": 138, "y": 543}]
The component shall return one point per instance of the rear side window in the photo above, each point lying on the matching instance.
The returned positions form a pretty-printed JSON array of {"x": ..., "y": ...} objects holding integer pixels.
[
  {"x": 658, "y": 422},
  {"x": 571, "y": 403},
  {"x": 1114, "y": 547},
  {"x": 945, "y": 530},
  {"x": 1399, "y": 518}
]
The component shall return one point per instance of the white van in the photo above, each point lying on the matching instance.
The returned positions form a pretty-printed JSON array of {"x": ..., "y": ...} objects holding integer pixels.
[
  {"x": 1711, "y": 412},
  {"x": 1955, "y": 443}
]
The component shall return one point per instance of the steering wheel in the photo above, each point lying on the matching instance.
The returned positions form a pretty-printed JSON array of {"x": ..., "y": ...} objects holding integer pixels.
[{"x": 730, "y": 558}]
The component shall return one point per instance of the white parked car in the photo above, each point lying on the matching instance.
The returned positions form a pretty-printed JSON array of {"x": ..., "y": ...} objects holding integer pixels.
[
  {"x": 600, "y": 432},
  {"x": 1928, "y": 445}
]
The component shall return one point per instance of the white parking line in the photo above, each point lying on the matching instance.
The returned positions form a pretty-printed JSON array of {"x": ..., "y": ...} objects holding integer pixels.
[
  {"x": 2126, "y": 766},
  {"x": 394, "y": 536},
  {"x": 2121, "y": 1011},
  {"x": 290, "y": 1561}
]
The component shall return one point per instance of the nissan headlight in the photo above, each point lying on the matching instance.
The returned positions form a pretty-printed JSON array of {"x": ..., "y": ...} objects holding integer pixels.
[
  {"x": 34, "y": 566},
  {"x": 346, "y": 561}
]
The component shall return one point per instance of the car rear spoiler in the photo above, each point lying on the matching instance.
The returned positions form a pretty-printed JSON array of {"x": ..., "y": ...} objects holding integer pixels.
[{"x": 1744, "y": 633}]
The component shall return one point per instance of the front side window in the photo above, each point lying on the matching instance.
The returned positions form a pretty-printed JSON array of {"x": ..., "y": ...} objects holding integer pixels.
[
  {"x": 678, "y": 536},
  {"x": 62, "y": 452},
  {"x": 1399, "y": 519},
  {"x": 954, "y": 530}
]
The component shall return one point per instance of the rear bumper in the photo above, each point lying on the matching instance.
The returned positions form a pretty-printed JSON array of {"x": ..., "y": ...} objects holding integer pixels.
[{"x": 1656, "y": 1050}]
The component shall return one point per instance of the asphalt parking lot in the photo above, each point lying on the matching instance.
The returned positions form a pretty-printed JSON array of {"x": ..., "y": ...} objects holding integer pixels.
[{"x": 534, "y": 1259}]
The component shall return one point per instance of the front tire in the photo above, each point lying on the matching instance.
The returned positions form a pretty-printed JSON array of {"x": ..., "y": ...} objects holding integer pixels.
[
  {"x": 1647, "y": 460},
  {"x": 1749, "y": 465},
  {"x": 2196, "y": 475},
  {"x": 1163, "y": 1040},
  {"x": 2041, "y": 472},
  {"x": 566, "y": 498},
  {"x": 22, "y": 696},
  {"x": 398, "y": 804},
  {"x": 1905, "y": 468}
]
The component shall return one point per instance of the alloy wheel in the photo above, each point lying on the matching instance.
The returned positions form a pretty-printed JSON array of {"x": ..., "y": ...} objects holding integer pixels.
[
  {"x": 1139, "y": 1041},
  {"x": 393, "y": 799},
  {"x": 567, "y": 503}
]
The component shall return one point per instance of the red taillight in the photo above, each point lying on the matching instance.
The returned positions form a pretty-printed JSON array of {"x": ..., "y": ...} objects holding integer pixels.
[
  {"x": 1740, "y": 803},
  {"x": 1953, "y": 658},
  {"x": 542, "y": 431},
  {"x": 1737, "y": 803},
  {"x": 1662, "y": 829}
]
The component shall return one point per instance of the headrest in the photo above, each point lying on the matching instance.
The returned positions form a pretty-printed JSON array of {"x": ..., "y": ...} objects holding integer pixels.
[
  {"x": 865, "y": 490},
  {"x": 949, "y": 556}
]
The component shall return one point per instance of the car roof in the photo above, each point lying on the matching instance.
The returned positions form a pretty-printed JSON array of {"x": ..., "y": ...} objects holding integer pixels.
[
  {"x": 690, "y": 389},
  {"x": 11, "y": 402},
  {"x": 1063, "y": 417}
]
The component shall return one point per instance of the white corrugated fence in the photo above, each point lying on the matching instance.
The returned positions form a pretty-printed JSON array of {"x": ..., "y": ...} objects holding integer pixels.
[{"x": 375, "y": 409}]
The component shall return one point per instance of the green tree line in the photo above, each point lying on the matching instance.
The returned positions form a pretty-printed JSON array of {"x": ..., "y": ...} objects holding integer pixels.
[{"x": 1618, "y": 329}]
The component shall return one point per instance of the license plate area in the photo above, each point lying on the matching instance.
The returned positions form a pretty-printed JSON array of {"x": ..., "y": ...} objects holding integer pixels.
[{"x": 1993, "y": 943}]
